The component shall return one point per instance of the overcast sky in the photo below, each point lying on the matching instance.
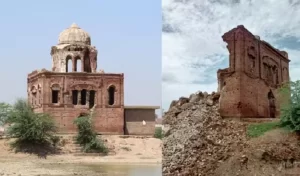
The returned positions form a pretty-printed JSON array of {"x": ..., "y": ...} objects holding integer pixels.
[
  {"x": 127, "y": 35},
  {"x": 192, "y": 45}
]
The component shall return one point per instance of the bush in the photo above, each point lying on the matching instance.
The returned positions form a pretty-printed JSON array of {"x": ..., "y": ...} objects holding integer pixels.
[
  {"x": 87, "y": 138},
  {"x": 158, "y": 133},
  {"x": 34, "y": 132},
  {"x": 290, "y": 111}
]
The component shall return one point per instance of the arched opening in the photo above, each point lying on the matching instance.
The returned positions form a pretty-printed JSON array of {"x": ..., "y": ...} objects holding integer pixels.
[
  {"x": 68, "y": 64},
  {"x": 272, "y": 106},
  {"x": 55, "y": 93},
  {"x": 92, "y": 98},
  {"x": 78, "y": 64},
  {"x": 75, "y": 97},
  {"x": 111, "y": 95},
  {"x": 83, "y": 97},
  {"x": 87, "y": 64}
]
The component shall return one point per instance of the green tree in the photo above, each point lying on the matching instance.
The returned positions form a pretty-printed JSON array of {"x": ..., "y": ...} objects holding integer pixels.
[
  {"x": 290, "y": 111},
  {"x": 34, "y": 132},
  {"x": 5, "y": 110},
  {"x": 87, "y": 137}
]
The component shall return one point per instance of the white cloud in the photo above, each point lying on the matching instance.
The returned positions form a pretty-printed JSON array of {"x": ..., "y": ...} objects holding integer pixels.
[{"x": 199, "y": 26}]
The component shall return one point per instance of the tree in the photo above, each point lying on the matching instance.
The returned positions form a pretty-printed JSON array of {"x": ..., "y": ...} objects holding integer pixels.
[
  {"x": 5, "y": 109},
  {"x": 87, "y": 137},
  {"x": 290, "y": 111},
  {"x": 34, "y": 132}
]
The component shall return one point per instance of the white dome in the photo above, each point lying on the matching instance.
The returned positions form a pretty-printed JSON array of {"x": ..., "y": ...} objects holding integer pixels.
[{"x": 74, "y": 35}]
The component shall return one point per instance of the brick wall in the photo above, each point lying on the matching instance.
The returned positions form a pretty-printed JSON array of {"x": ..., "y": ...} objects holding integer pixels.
[
  {"x": 134, "y": 121},
  {"x": 256, "y": 71}
]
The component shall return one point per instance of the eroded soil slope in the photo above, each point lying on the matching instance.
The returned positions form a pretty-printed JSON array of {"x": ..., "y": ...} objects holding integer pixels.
[{"x": 199, "y": 142}]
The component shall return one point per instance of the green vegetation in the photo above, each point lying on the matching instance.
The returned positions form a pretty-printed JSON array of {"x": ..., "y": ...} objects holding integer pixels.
[
  {"x": 5, "y": 110},
  {"x": 255, "y": 130},
  {"x": 290, "y": 111},
  {"x": 158, "y": 133},
  {"x": 87, "y": 137},
  {"x": 34, "y": 132}
]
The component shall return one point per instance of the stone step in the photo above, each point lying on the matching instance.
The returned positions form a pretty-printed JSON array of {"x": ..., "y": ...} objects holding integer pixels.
[{"x": 89, "y": 154}]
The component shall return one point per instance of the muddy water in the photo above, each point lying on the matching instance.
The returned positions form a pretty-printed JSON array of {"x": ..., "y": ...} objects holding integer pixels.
[{"x": 110, "y": 170}]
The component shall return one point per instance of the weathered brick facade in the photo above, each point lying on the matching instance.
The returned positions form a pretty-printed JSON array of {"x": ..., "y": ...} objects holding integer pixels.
[
  {"x": 249, "y": 87},
  {"x": 69, "y": 91}
]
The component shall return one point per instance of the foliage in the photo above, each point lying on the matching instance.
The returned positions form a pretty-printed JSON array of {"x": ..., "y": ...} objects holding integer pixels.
[
  {"x": 5, "y": 109},
  {"x": 87, "y": 137},
  {"x": 158, "y": 133},
  {"x": 255, "y": 130},
  {"x": 31, "y": 130},
  {"x": 290, "y": 111}
]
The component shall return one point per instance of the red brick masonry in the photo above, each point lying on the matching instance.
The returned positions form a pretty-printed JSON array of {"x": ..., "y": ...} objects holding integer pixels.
[{"x": 249, "y": 87}]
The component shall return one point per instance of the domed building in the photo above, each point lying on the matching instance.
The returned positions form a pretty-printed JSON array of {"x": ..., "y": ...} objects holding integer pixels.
[{"x": 74, "y": 87}]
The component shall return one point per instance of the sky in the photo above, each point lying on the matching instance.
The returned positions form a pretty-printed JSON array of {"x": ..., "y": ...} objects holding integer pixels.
[
  {"x": 127, "y": 35},
  {"x": 192, "y": 45}
]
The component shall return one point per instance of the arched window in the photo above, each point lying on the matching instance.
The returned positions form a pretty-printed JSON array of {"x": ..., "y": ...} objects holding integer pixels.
[
  {"x": 272, "y": 104},
  {"x": 78, "y": 64},
  {"x": 55, "y": 93},
  {"x": 83, "y": 97},
  {"x": 92, "y": 98},
  {"x": 74, "y": 97},
  {"x": 111, "y": 95},
  {"x": 87, "y": 64},
  {"x": 68, "y": 64}
]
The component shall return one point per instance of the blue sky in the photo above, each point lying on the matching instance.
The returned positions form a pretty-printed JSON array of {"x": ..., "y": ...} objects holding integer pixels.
[
  {"x": 192, "y": 45},
  {"x": 127, "y": 35}
]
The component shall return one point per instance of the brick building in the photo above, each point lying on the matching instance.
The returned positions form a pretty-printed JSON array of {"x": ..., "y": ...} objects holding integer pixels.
[
  {"x": 249, "y": 87},
  {"x": 74, "y": 86}
]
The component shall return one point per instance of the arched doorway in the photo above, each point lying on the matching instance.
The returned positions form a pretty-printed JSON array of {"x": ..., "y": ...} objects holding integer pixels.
[{"x": 272, "y": 106}]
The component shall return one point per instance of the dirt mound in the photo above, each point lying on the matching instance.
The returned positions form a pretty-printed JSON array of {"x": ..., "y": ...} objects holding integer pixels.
[
  {"x": 200, "y": 142},
  {"x": 276, "y": 153},
  {"x": 198, "y": 139}
]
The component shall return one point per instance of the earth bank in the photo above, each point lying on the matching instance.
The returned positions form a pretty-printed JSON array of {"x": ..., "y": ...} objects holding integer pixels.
[{"x": 198, "y": 141}]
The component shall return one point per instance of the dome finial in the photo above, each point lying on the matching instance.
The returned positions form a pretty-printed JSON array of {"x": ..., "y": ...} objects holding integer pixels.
[{"x": 74, "y": 25}]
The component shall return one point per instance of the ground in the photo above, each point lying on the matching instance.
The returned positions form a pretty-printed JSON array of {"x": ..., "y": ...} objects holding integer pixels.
[
  {"x": 131, "y": 150},
  {"x": 199, "y": 142},
  {"x": 275, "y": 153}
]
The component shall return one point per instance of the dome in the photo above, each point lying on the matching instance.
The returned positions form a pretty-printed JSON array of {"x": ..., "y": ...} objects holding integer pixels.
[{"x": 74, "y": 35}]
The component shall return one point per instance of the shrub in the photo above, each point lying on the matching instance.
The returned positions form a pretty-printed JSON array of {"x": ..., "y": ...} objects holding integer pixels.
[
  {"x": 290, "y": 111},
  {"x": 34, "y": 132},
  {"x": 158, "y": 133},
  {"x": 87, "y": 138}
]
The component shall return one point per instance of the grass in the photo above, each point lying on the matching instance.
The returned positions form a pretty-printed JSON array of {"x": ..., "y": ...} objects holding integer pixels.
[{"x": 255, "y": 130}]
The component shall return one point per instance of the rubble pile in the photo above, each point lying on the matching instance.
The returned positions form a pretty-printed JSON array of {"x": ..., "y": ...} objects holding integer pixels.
[{"x": 198, "y": 140}]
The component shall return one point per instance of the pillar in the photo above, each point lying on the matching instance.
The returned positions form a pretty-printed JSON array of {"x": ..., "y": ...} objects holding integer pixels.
[
  {"x": 74, "y": 64},
  {"x": 82, "y": 64},
  {"x": 87, "y": 98},
  {"x": 79, "y": 97}
]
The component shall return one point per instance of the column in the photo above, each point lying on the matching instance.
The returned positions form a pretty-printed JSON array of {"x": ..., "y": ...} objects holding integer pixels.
[
  {"x": 82, "y": 64},
  {"x": 79, "y": 97},
  {"x": 73, "y": 64},
  {"x": 88, "y": 98}
]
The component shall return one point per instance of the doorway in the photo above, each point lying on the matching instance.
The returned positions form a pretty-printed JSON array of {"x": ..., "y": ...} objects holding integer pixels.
[{"x": 272, "y": 106}]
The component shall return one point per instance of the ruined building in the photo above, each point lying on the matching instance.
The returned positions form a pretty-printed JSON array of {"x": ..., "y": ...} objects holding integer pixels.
[
  {"x": 74, "y": 86},
  {"x": 249, "y": 87}
]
